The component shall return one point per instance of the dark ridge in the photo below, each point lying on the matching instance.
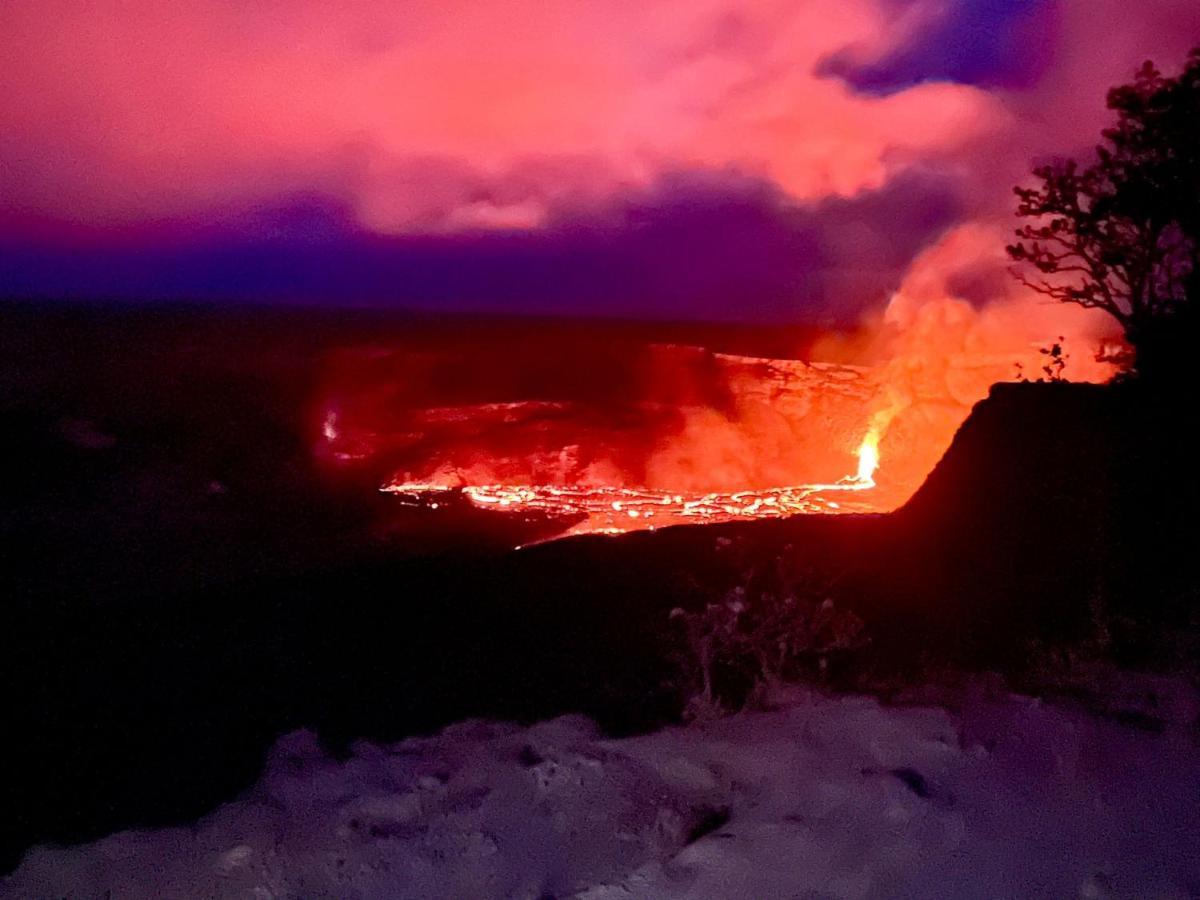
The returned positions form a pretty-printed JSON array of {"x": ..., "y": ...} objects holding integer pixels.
[{"x": 1055, "y": 503}]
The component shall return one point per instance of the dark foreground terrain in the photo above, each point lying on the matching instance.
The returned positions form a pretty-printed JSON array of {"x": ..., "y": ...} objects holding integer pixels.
[{"x": 181, "y": 584}]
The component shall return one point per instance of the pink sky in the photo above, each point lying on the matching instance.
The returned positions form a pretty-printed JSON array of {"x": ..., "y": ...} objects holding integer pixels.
[{"x": 435, "y": 116}]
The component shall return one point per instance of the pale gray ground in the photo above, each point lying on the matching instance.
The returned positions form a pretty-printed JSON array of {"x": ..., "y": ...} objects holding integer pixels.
[{"x": 1007, "y": 796}]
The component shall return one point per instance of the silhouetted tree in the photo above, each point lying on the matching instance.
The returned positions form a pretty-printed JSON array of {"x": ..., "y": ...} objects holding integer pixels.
[{"x": 1123, "y": 234}]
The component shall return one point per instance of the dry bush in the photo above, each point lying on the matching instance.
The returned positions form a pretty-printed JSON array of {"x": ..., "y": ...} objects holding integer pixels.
[{"x": 781, "y": 623}]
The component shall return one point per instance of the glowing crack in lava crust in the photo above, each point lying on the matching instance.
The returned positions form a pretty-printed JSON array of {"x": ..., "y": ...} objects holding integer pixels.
[{"x": 616, "y": 510}]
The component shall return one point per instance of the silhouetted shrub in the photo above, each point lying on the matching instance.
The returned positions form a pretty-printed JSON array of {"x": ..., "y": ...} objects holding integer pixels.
[{"x": 779, "y": 624}]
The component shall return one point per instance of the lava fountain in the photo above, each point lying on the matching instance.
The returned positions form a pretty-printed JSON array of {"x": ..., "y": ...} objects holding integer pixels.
[{"x": 868, "y": 460}]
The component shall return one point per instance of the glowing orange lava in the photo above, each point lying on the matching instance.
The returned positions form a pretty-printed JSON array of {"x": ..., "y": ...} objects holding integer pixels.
[{"x": 616, "y": 510}]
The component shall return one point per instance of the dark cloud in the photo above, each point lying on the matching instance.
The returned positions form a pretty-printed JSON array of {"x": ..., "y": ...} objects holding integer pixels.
[
  {"x": 986, "y": 43},
  {"x": 698, "y": 246}
]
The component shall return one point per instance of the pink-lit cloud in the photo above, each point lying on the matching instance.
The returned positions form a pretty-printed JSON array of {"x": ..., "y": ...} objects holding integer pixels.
[{"x": 446, "y": 115}]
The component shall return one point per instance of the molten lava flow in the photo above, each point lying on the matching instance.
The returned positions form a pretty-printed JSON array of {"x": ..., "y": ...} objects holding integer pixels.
[{"x": 616, "y": 510}]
